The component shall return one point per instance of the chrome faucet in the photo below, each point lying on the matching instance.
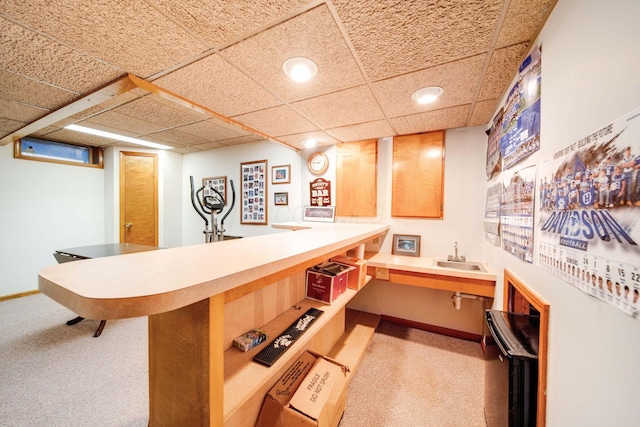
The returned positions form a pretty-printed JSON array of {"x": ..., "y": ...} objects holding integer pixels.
[{"x": 456, "y": 257}]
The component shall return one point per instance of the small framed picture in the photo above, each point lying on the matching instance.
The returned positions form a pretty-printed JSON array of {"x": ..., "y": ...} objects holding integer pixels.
[
  {"x": 406, "y": 244},
  {"x": 281, "y": 199},
  {"x": 281, "y": 174},
  {"x": 319, "y": 213}
]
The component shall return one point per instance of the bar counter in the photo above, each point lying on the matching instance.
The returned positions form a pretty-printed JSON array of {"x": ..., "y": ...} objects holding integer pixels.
[
  {"x": 149, "y": 283},
  {"x": 194, "y": 297}
]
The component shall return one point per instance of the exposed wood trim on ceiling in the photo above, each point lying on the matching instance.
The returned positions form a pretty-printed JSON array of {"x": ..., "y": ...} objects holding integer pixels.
[{"x": 115, "y": 88}]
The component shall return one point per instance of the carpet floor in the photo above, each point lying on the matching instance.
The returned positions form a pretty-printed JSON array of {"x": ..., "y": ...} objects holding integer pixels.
[{"x": 52, "y": 374}]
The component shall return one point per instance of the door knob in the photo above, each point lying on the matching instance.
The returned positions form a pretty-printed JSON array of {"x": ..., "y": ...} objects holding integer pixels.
[{"x": 128, "y": 225}]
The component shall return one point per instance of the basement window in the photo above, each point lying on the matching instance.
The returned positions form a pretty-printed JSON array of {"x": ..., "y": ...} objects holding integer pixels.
[{"x": 43, "y": 150}]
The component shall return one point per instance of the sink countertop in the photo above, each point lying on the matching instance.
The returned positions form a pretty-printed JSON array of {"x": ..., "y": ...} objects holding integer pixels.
[{"x": 425, "y": 265}]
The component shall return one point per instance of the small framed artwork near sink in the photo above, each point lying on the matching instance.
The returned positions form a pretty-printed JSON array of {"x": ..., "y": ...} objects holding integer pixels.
[{"x": 406, "y": 244}]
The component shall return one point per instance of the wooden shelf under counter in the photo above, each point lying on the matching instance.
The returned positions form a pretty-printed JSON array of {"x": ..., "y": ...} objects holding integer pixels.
[
  {"x": 422, "y": 272},
  {"x": 337, "y": 333}
]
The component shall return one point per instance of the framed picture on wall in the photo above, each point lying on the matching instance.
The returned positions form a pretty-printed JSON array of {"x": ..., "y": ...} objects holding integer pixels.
[
  {"x": 319, "y": 213},
  {"x": 219, "y": 183},
  {"x": 281, "y": 199},
  {"x": 281, "y": 174},
  {"x": 406, "y": 244},
  {"x": 253, "y": 176}
]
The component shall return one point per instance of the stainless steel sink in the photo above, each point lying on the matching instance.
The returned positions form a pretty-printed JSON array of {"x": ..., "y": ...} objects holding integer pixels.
[{"x": 462, "y": 265}]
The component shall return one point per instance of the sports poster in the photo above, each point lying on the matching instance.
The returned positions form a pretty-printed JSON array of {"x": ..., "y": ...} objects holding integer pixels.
[
  {"x": 494, "y": 161},
  {"x": 492, "y": 214},
  {"x": 516, "y": 213},
  {"x": 589, "y": 225},
  {"x": 521, "y": 119}
]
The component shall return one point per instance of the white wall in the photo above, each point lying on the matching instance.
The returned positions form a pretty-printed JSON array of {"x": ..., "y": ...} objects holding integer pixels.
[
  {"x": 44, "y": 207},
  {"x": 226, "y": 162},
  {"x": 590, "y": 66},
  {"x": 464, "y": 200}
]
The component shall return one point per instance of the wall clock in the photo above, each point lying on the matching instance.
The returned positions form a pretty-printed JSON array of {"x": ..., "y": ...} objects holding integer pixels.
[{"x": 318, "y": 163}]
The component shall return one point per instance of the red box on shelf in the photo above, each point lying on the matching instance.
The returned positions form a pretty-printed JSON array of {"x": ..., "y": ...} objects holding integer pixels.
[
  {"x": 327, "y": 281},
  {"x": 357, "y": 276}
]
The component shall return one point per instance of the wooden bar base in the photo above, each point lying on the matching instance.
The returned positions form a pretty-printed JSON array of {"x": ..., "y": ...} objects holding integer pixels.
[{"x": 183, "y": 372}]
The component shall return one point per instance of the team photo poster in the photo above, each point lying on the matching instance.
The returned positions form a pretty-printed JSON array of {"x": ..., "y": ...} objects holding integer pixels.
[
  {"x": 589, "y": 229},
  {"x": 516, "y": 213}
]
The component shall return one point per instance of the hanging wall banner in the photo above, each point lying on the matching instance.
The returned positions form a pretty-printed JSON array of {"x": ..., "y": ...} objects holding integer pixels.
[
  {"x": 516, "y": 213},
  {"x": 320, "y": 191},
  {"x": 521, "y": 120},
  {"x": 589, "y": 226}
]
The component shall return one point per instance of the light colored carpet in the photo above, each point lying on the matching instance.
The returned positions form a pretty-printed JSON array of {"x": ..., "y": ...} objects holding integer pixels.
[
  {"x": 411, "y": 378},
  {"x": 52, "y": 374}
]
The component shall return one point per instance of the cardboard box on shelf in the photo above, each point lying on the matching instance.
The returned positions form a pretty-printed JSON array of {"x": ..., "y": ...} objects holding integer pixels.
[
  {"x": 327, "y": 281},
  {"x": 357, "y": 276},
  {"x": 311, "y": 393}
]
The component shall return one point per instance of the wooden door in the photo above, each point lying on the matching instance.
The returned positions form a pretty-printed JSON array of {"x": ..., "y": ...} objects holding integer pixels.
[{"x": 139, "y": 198}]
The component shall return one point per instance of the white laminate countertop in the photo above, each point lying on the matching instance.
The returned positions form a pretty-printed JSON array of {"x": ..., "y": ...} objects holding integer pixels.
[
  {"x": 424, "y": 265},
  {"x": 155, "y": 282}
]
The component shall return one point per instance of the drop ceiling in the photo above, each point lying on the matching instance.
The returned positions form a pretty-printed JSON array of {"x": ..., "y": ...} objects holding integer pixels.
[{"x": 198, "y": 75}]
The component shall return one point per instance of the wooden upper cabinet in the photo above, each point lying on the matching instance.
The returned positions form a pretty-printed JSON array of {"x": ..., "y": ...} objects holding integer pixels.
[
  {"x": 356, "y": 176},
  {"x": 418, "y": 175}
]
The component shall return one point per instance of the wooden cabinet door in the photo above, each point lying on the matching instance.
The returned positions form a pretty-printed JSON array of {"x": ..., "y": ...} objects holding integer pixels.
[
  {"x": 356, "y": 176},
  {"x": 418, "y": 175}
]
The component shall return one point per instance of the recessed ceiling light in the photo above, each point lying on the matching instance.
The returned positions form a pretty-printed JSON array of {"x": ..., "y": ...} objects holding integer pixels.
[
  {"x": 309, "y": 142},
  {"x": 299, "y": 69},
  {"x": 117, "y": 137},
  {"x": 427, "y": 95}
]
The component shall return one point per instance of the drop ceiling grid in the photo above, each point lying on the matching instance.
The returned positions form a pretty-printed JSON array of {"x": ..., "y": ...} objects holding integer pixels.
[
  {"x": 214, "y": 83},
  {"x": 132, "y": 36},
  {"x": 375, "y": 129},
  {"x": 115, "y": 122},
  {"x": 277, "y": 121},
  {"x": 482, "y": 112},
  {"x": 209, "y": 129},
  {"x": 313, "y": 34},
  {"x": 523, "y": 20},
  {"x": 503, "y": 67},
  {"x": 349, "y": 106},
  {"x": 36, "y": 57},
  {"x": 19, "y": 112},
  {"x": 156, "y": 110},
  {"x": 218, "y": 23},
  {"x": 31, "y": 92},
  {"x": 431, "y": 120},
  {"x": 176, "y": 137},
  {"x": 459, "y": 80},
  {"x": 297, "y": 140},
  {"x": 422, "y": 33}
]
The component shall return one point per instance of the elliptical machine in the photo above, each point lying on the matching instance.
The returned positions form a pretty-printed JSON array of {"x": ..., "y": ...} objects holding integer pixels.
[{"x": 212, "y": 205}]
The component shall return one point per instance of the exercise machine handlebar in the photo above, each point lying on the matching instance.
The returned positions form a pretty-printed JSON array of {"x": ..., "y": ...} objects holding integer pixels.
[{"x": 212, "y": 206}]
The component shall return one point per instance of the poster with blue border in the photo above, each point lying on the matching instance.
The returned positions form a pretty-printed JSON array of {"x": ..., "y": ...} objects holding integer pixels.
[
  {"x": 521, "y": 122},
  {"x": 589, "y": 222}
]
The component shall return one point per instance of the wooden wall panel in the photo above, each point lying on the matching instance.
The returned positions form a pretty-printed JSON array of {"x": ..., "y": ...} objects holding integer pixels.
[
  {"x": 356, "y": 176},
  {"x": 418, "y": 175}
]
